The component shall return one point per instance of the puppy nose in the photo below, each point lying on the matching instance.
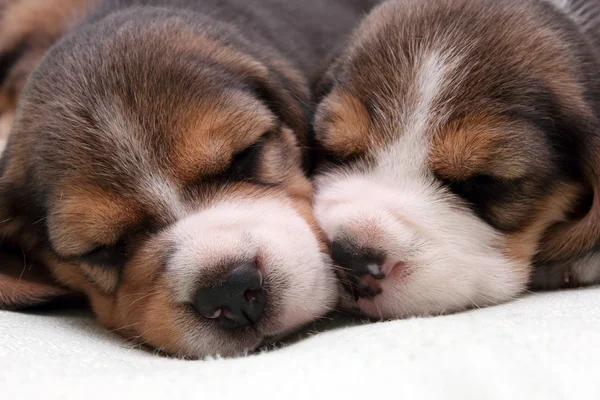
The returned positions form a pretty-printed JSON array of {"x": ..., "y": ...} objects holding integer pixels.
[
  {"x": 359, "y": 262},
  {"x": 360, "y": 268},
  {"x": 238, "y": 300}
]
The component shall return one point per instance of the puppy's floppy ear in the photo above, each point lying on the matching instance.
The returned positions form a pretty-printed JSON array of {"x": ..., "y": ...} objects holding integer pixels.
[
  {"x": 287, "y": 95},
  {"x": 572, "y": 239},
  {"x": 25, "y": 281},
  {"x": 27, "y": 30},
  {"x": 285, "y": 99}
]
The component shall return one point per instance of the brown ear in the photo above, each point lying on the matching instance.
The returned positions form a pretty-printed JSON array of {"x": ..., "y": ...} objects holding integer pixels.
[
  {"x": 25, "y": 283},
  {"x": 283, "y": 90},
  {"x": 287, "y": 95},
  {"x": 575, "y": 238},
  {"x": 27, "y": 30}
]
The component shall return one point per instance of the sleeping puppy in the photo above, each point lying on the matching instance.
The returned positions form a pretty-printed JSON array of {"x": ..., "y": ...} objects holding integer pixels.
[
  {"x": 463, "y": 148},
  {"x": 154, "y": 167}
]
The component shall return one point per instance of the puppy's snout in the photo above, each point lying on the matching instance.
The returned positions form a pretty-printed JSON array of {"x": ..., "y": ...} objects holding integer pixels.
[
  {"x": 237, "y": 300},
  {"x": 359, "y": 268}
]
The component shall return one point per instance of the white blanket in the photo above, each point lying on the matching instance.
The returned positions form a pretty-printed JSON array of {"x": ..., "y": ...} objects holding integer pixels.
[{"x": 544, "y": 346}]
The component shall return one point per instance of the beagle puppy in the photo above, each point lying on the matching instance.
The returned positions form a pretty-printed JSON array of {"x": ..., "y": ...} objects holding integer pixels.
[
  {"x": 461, "y": 148},
  {"x": 155, "y": 165}
]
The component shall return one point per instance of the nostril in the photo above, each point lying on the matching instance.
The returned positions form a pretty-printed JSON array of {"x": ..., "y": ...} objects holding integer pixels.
[{"x": 237, "y": 300}]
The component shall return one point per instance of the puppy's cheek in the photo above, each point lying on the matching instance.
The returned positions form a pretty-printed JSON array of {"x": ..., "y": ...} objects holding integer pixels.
[
  {"x": 170, "y": 328},
  {"x": 147, "y": 314},
  {"x": 153, "y": 318},
  {"x": 298, "y": 191},
  {"x": 71, "y": 275},
  {"x": 161, "y": 323}
]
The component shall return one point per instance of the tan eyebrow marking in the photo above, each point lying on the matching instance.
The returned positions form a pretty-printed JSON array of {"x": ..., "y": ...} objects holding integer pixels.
[
  {"x": 218, "y": 131},
  {"x": 474, "y": 145},
  {"x": 344, "y": 123}
]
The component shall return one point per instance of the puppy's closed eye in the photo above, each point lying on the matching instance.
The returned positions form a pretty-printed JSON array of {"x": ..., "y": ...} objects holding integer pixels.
[
  {"x": 106, "y": 256},
  {"x": 103, "y": 265},
  {"x": 500, "y": 201},
  {"x": 477, "y": 189},
  {"x": 245, "y": 165}
]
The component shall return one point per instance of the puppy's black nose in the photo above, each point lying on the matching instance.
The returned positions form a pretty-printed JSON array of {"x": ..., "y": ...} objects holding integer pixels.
[
  {"x": 237, "y": 300},
  {"x": 357, "y": 263}
]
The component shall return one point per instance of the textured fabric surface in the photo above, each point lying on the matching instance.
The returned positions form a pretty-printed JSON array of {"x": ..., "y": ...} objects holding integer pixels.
[{"x": 544, "y": 346}]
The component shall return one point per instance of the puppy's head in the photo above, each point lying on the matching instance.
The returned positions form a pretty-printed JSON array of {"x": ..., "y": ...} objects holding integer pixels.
[
  {"x": 462, "y": 145},
  {"x": 155, "y": 170}
]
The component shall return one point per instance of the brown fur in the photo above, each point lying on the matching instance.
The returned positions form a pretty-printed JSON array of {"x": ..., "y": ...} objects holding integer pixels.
[
  {"x": 212, "y": 140},
  {"x": 347, "y": 123},
  {"x": 467, "y": 148},
  {"x": 27, "y": 29}
]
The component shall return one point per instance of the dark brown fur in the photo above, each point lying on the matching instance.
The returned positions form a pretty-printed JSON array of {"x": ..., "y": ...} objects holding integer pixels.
[{"x": 27, "y": 29}]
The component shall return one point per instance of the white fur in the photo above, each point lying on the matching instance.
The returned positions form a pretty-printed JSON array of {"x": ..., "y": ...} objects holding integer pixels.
[
  {"x": 454, "y": 259},
  {"x": 163, "y": 195},
  {"x": 269, "y": 229}
]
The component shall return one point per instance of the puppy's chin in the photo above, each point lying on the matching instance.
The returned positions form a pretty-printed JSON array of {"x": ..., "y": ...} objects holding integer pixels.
[
  {"x": 299, "y": 283},
  {"x": 437, "y": 256}
]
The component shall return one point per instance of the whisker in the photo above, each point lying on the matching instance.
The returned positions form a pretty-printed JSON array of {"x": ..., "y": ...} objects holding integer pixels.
[
  {"x": 124, "y": 327},
  {"x": 136, "y": 294},
  {"x": 139, "y": 299},
  {"x": 22, "y": 271}
]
